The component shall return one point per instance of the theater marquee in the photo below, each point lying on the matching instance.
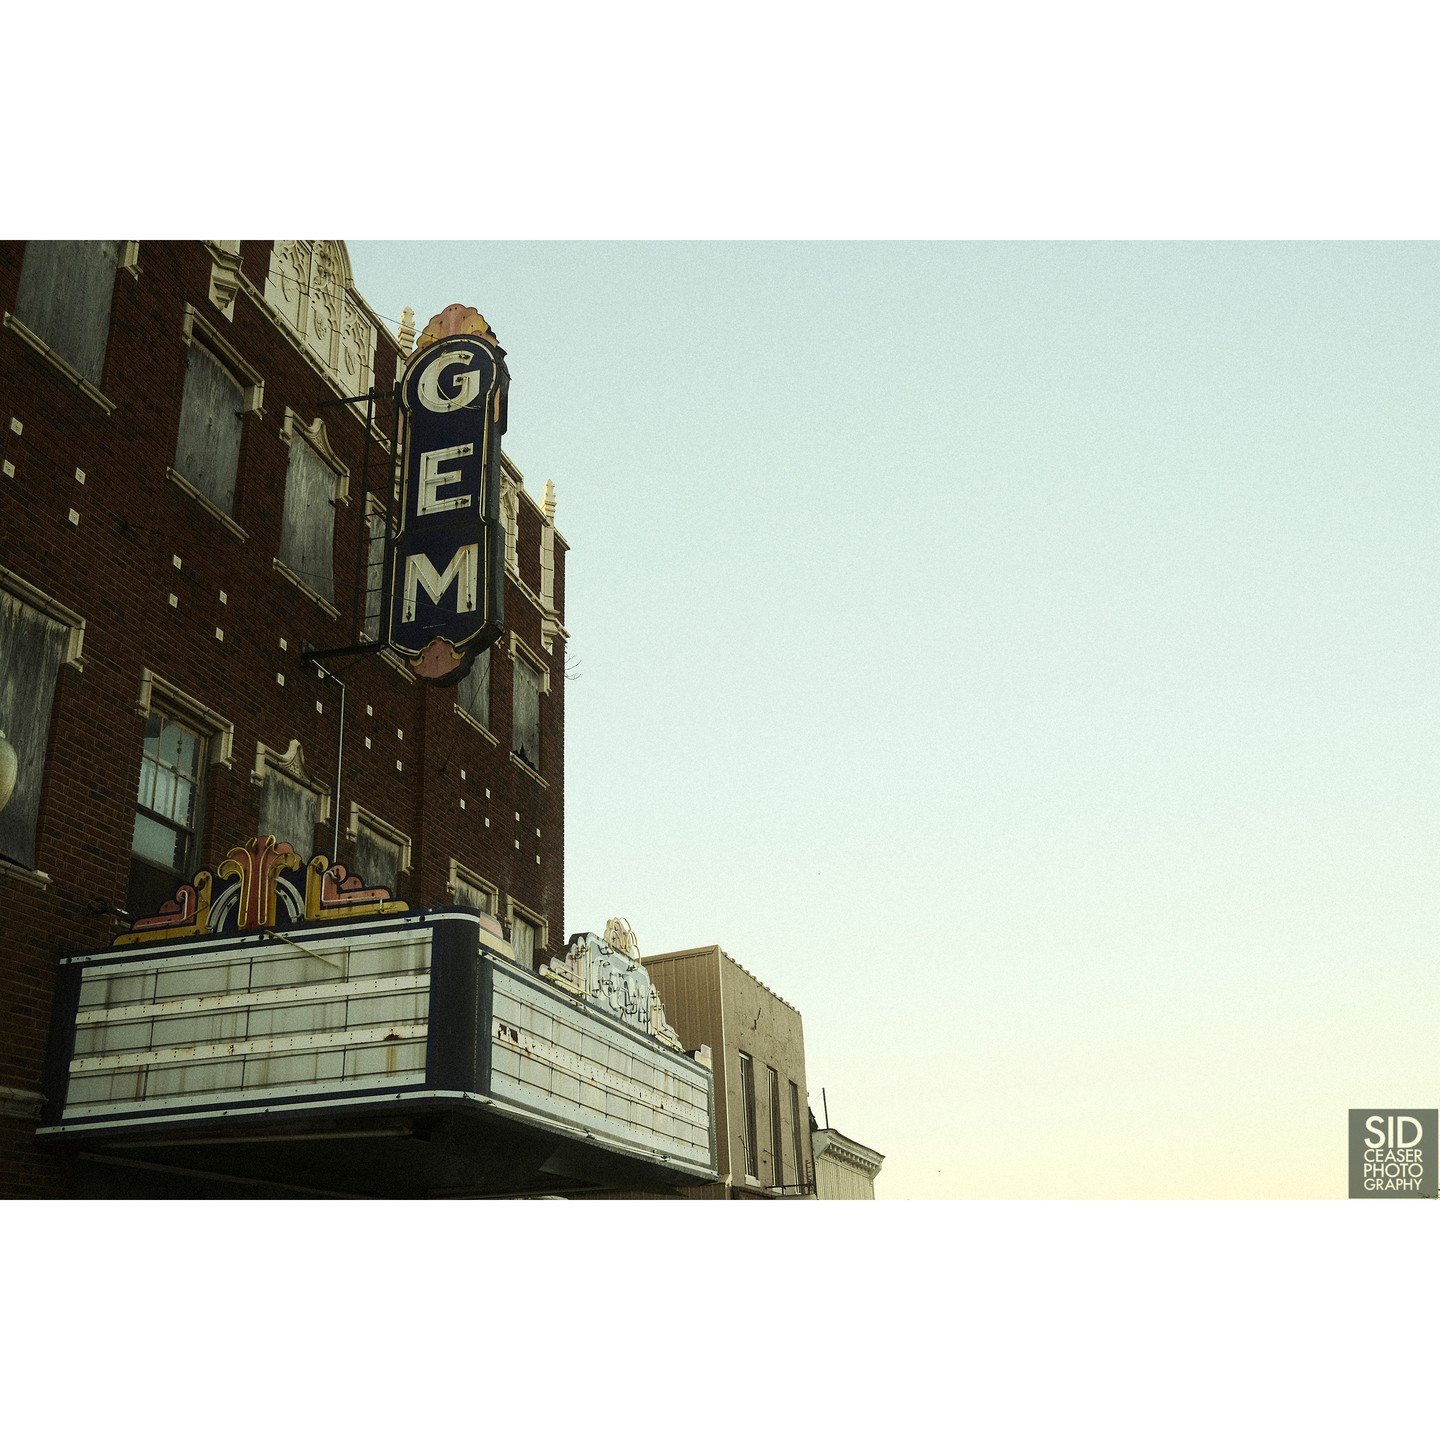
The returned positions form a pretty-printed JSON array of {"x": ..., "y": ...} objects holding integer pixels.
[{"x": 282, "y": 1022}]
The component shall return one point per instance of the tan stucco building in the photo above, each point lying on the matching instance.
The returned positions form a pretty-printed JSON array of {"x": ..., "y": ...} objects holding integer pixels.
[{"x": 757, "y": 1045}]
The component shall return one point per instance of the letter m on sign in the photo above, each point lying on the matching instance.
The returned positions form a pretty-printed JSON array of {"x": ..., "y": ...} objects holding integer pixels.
[{"x": 462, "y": 571}]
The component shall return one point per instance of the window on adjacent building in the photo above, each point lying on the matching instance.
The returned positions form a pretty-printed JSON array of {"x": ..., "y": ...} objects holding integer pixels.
[
  {"x": 66, "y": 287},
  {"x": 207, "y": 454},
  {"x": 164, "y": 843},
  {"x": 777, "y": 1153},
  {"x": 747, "y": 1093},
  {"x": 797, "y": 1139},
  {"x": 32, "y": 647},
  {"x": 526, "y": 721},
  {"x": 307, "y": 532},
  {"x": 473, "y": 692}
]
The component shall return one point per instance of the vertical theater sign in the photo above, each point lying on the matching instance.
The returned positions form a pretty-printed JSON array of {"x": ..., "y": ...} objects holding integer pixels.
[{"x": 446, "y": 589}]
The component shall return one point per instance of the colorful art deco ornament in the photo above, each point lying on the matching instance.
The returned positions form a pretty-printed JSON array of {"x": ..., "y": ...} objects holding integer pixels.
[
  {"x": 254, "y": 894},
  {"x": 613, "y": 981},
  {"x": 455, "y": 320}
]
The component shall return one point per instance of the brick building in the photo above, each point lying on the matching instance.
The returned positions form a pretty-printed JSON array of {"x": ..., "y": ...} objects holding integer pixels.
[{"x": 191, "y": 501}]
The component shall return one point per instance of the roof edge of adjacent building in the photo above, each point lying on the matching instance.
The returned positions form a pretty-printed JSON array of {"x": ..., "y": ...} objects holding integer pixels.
[
  {"x": 666, "y": 955},
  {"x": 847, "y": 1151}
]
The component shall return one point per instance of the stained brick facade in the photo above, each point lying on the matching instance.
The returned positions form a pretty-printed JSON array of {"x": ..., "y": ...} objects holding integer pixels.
[{"x": 222, "y": 626}]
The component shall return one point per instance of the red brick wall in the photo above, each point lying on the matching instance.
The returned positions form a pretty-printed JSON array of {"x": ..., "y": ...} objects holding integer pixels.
[{"x": 115, "y": 568}]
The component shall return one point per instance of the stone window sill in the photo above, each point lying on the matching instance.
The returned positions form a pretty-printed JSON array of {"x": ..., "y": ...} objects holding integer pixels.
[
  {"x": 534, "y": 774},
  {"x": 315, "y": 595},
  {"x": 30, "y": 338},
  {"x": 206, "y": 503},
  {"x": 38, "y": 878},
  {"x": 475, "y": 724},
  {"x": 398, "y": 665},
  {"x": 390, "y": 658},
  {"x": 21, "y": 1104}
]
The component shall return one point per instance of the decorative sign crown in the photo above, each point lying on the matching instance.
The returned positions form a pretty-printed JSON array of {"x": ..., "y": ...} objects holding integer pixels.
[{"x": 455, "y": 320}]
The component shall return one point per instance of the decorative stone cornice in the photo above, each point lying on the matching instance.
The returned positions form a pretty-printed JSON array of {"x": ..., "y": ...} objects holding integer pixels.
[{"x": 831, "y": 1145}]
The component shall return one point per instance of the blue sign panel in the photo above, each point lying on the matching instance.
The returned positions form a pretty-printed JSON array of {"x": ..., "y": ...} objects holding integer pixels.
[{"x": 448, "y": 573}]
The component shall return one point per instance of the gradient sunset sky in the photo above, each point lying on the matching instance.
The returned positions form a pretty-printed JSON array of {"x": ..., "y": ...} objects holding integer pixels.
[{"x": 1019, "y": 656}]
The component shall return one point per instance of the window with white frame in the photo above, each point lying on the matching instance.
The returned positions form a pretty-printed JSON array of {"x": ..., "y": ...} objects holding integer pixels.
[
  {"x": 471, "y": 890},
  {"x": 34, "y": 643},
  {"x": 382, "y": 853},
  {"x": 529, "y": 682},
  {"x": 164, "y": 844},
  {"x": 472, "y": 694},
  {"x": 314, "y": 481},
  {"x": 66, "y": 288},
  {"x": 183, "y": 739}
]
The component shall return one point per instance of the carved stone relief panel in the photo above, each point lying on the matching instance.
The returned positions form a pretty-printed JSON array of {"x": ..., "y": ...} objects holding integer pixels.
[{"x": 309, "y": 285}]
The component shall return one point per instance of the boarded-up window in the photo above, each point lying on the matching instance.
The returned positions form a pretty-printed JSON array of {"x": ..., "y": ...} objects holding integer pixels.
[
  {"x": 473, "y": 692},
  {"x": 289, "y": 812},
  {"x": 377, "y": 858},
  {"x": 374, "y": 573},
  {"x": 522, "y": 940},
  {"x": 527, "y": 713},
  {"x": 167, "y": 813},
  {"x": 307, "y": 535},
  {"x": 747, "y": 1095},
  {"x": 207, "y": 453},
  {"x": 65, "y": 292},
  {"x": 474, "y": 896},
  {"x": 32, "y": 646}
]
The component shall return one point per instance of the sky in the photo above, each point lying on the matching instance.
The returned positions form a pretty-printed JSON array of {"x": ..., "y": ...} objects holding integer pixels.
[{"x": 1020, "y": 657}]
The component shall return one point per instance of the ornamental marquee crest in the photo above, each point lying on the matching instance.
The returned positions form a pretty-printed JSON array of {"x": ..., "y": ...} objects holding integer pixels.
[
  {"x": 608, "y": 973},
  {"x": 250, "y": 889}
]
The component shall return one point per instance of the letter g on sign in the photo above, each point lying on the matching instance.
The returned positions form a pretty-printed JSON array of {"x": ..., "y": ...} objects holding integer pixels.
[{"x": 428, "y": 388}]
